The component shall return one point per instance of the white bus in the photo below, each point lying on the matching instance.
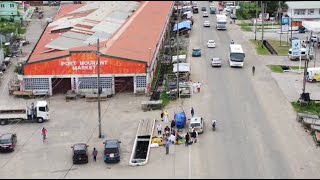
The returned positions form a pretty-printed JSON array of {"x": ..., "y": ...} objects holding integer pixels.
[{"x": 236, "y": 55}]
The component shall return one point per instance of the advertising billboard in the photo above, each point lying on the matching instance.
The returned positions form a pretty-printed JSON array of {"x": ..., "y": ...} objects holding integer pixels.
[
  {"x": 285, "y": 22},
  {"x": 296, "y": 47}
]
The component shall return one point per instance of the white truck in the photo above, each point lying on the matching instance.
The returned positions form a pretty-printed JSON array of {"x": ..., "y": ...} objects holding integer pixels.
[
  {"x": 35, "y": 112},
  {"x": 313, "y": 74},
  {"x": 221, "y": 22}
]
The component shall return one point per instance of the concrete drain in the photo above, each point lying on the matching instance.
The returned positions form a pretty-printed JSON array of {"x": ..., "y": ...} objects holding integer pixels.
[{"x": 285, "y": 68}]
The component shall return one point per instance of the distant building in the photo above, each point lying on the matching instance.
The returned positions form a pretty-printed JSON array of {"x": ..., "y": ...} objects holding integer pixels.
[
  {"x": 303, "y": 11},
  {"x": 34, "y": 3},
  {"x": 13, "y": 10}
]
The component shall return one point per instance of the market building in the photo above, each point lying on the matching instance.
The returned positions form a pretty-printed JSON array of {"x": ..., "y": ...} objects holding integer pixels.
[{"x": 131, "y": 33}]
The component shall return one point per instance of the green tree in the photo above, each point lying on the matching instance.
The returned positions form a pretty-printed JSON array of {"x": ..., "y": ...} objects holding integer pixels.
[
  {"x": 273, "y": 6},
  {"x": 19, "y": 69},
  {"x": 247, "y": 10}
]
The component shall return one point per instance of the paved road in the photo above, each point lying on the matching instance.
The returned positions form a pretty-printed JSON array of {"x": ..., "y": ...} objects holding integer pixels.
[
  {"x": 257, "y": 135},
  {"x": 250, "y": 142}
]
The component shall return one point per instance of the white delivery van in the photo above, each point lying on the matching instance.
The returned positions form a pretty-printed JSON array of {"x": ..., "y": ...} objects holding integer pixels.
[
  {"x": 182, "y": 58},
  {"x": 313, "y": 74}
]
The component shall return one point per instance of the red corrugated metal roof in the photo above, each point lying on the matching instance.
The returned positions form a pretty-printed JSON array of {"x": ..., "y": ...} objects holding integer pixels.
[
  {"x": 133, "y": 42},
  {"x": 38, "y": 53},
  {"x": 143, "y": 33}
]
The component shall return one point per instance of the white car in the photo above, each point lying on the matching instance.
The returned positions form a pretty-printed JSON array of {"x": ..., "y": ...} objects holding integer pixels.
[
  {"x": 314, "y": 38},
  {"x": 211, "y": 44},
  {"x": 205, "y": 14},
  {"x": 196, "y": 123},
  {"x": 216, "y": 62},
  {"x": 206, "y": 23}
]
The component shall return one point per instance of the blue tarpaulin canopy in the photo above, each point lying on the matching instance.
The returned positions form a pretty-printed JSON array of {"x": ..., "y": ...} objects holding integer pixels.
[
  {"x": 180, "y": 120},
  {"x": 182, "y": 25}
]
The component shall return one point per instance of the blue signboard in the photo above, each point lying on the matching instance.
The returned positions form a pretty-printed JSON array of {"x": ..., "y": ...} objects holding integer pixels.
[
  {"x": 296, "y": 46},
  {"x": 285, "y": 21}
]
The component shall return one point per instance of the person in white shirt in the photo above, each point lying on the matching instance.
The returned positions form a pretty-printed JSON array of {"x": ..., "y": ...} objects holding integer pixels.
[
  {"x": 198, "y": 86},
  {"x": 159, "y": 128},
  {"x": 194, "y": 87}
]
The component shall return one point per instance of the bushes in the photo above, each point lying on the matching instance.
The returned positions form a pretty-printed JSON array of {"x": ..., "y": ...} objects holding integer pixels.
[
  {"x": 9, "y": 27},
  {"x": 247, "y": 10},
  {"x": 19, "y": 69}
]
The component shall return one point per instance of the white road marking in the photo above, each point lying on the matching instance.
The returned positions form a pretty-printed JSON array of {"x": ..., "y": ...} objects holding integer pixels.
[{"x": 189, "y": 177}]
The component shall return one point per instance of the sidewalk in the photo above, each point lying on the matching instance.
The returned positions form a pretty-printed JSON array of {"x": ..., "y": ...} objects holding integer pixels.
[{"x": 34, "y": 31}]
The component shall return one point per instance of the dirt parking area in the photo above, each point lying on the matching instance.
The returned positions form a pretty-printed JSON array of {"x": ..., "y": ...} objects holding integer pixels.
[{"x": 71, "y": 122}]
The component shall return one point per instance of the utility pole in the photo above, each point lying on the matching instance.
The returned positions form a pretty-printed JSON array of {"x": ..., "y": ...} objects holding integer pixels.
[
  {"x": 255, "y": 24},
  {"x": 315, "y": 55},
  {"x": 178, "y": 88},
  {"x": 306, "y": 63},
  {"x": 99, "y": 89},
  {"x": 280, "y": 20},
  {"x": 262, "y": 19},
  {"x": 291, "y": 25}
]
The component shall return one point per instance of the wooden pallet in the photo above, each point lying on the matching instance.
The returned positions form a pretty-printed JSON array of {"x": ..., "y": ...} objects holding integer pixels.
[{"x": 94, "y": 97}]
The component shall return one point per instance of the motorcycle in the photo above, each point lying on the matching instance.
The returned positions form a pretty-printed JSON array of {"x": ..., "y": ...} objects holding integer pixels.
[{"x": 213, "y": 125}]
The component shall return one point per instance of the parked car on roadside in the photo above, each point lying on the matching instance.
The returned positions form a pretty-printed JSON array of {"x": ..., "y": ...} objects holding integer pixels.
[
  {"x": 112, "y": 151},
  {"x": 314, "y": 38},
  {"x": 293, "y": 38},
  {"x": 8, "y": 142},
  {"x": 196, "y": 123},
  {"x": 80, "y": 153},
  {"x": 196, "y": 52},
  {"x": 302, "y": 29}
]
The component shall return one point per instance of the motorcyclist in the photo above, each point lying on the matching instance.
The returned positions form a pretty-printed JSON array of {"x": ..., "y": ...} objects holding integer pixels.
[{"x": 232, "y": 42}]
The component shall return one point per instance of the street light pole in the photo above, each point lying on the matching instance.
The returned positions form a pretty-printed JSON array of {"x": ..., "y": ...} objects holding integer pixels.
[
  {"x": 306, "y": 63},
  {"x": 255, "y": 24},
  {"x": 178, "y": 88},
  {"x": 315, "y": 55},
  {"x": 291, "y": 25},
  {"x": 262, "y": 19},
  {"x": 99, "y": 90}
]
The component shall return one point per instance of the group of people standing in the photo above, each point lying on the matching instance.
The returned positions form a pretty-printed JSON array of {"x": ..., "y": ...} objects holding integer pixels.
[
  {"x": 191, "y": 137},
  {"x": 170, "y": 136},
  {"x": 196, "y": 86}
]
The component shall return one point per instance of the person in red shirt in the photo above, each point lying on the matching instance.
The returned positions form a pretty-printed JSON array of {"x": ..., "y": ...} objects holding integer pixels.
[{"x": 44, "y": 133}]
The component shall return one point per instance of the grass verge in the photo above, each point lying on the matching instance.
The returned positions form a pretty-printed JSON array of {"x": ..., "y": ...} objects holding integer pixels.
[
  {"x": 245, "y": 27},
  {"x": 259, "y": 47},
  {"x": 296, "y": 67},
  {"x": 165, "y": 99},
  {"x": 276, "y": 68},
  {"x": 313, "y": 107},
  {"x": 282, "y": 51}
]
